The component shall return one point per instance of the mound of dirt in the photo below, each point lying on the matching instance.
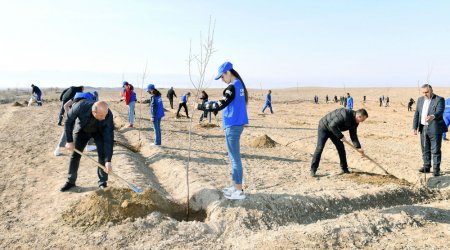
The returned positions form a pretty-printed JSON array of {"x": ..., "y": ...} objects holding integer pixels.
[
  {"x": 17, "y": 104},
  {"x": 207, "y": 125},
  {"x": 263, "y": 141},
  {"x": 374, "y": 179},
  {"x": 116, "y": 205}
]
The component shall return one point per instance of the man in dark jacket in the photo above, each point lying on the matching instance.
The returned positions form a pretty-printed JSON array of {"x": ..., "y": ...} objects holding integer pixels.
[
  {"x": 428, "y": 120},
  {"x": 331, "y": 127},
  {"x": 37, "y": 91},
  {"x": 88, "y": 119},
  {"x": 170, "y": 95},
  {"x": 65, "y": 96}
]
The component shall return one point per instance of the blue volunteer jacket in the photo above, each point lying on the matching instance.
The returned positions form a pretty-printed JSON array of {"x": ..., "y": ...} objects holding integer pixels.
[
  {"x": 350, "y": 102},
  {"x": 83, "y": 95},
  {"x": 268, "y": 99},
  {"x": 447, "y": 107},
  {"x": 235, "y": 114},
  {"x": 156, "y": 107},
  {"x": 183, "y": 99}
]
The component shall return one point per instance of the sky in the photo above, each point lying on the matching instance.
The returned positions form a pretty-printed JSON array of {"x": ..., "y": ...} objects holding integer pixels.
[{"x": 273, "y": 44}]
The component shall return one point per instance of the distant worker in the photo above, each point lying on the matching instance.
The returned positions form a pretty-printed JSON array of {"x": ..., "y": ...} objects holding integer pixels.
[
  {"x": 349, "y": 101},
  {"x": 170, "y": 95},
  {"x": 410, "y": 103},
  {"x": 88, "y": 120},
  {"x": 204, "y": 99},
  {"x": 183, "y": 103},
  {"x": 345, "y": 101},
  {"x": 156, "y": 112},
  {"x": 364, "y": 99},
  {"x": 429, "y": 122},
  {"x": 387, "y": 101},
  {"x": 381, "y": 101},
  {"x": 268, "y": 102},
  {"x": 335, "y": 99},
  {"x": 66, "y": 96},
  {"x": 446, "y": 117},
  {"x": 130, "y": 101},
  {"x": 331, "y": 127},
  {"x": 37, "y": 91}
]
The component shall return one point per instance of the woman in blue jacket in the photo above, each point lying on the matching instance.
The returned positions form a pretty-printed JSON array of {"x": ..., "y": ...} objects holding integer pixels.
[
  {"x": 234, "y": 116},
  {"x": 156, "y": 112}
]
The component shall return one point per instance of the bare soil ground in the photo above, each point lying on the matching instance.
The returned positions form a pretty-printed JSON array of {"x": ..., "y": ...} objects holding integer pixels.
[{"x": 285, "y": 208}]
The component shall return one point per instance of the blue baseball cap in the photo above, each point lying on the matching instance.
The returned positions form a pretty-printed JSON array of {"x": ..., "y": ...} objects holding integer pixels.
[
  {"x": 226, "y": 66},
  {"x": 150, "y": 87},
  {"x": 124, "y": 83}
]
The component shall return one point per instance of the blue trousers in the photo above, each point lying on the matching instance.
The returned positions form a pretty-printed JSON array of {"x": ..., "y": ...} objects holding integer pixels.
[
  {"x": 233, "y": 137},
  {"x": 131, "y": 112},
  {"x": 39, "y": 99},
  {"x": 270, "y": 107},
  {"x": 157, "y": 130}
]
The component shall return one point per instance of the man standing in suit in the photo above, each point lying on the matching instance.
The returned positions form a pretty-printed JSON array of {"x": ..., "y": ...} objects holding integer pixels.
[{"x": 428, "y": 120}]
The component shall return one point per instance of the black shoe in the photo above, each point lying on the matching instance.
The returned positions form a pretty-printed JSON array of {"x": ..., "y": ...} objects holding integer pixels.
[
  {"x": 426, "y": 170},
  {"x": 103, "y": 185},
  {"x": 67, "y": 186},
  {"x": 436, "y": 174},
  {"x": 313, "y": 173},
  {"x": 345, "y": 171},
  {"x": 59, "y": 123}
]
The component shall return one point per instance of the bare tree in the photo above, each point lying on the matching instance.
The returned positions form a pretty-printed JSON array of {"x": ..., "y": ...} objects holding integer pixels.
[
  {"x": 144, "y": 77},
  {"x": 200, "y": 61}
]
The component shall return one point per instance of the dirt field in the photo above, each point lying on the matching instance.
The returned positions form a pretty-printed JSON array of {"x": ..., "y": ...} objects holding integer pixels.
[{"x": 285, "y": 208}]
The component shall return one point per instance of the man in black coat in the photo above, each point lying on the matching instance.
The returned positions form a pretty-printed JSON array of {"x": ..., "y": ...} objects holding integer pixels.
[
  {"x": 331, "y": 127},
  {"x": 65, "y": 96},
  {"x": 170, "y": 95},
  {"x": 428, "y": 120},
  {"x": 88, "y": 119}
]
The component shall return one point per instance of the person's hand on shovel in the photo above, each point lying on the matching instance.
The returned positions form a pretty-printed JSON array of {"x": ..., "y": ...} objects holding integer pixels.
[
  {"x": 361, "y": 151},
  {"x": 69, "y": 146},
  {"x": 108, "y": 167}
]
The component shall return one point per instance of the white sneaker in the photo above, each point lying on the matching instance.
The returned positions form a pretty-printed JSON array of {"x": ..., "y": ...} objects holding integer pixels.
[
  {"x": 236, "y": 195},
  {"x": 90, "y": 148},
  {"x": 154, "y": 145},
  {"x": 56, "y": 152},
  {"x": 228, "y": 189}
]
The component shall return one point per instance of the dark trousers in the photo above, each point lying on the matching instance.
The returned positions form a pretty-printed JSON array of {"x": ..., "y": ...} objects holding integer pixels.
[
  {"x": 171, "y": 102},
  {"x": 431, "y": 146},
  {"x": 61, "y": 113},
  {"x": 323, "y": 136},
  {"x": 80, "y": 140},
  {"x": 185, "y": 109}
]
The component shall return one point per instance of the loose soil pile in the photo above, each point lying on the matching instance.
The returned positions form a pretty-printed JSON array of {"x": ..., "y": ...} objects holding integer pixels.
[
  {"x": 207, "y": 125},
  {"x": 374, "y": 179},
  {"x": 116, "y": 205},
  {"x": 263, "y": 141},
  {"x": 17, "y": 104}
]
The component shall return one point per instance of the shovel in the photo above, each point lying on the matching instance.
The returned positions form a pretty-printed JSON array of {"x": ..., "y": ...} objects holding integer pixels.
[
  {"x": 370, "y": 159},
  {"x": 135, "y": 189}
]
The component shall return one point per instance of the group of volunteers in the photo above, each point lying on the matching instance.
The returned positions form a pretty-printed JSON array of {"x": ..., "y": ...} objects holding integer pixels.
[{"x": 90, "y": 121}]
